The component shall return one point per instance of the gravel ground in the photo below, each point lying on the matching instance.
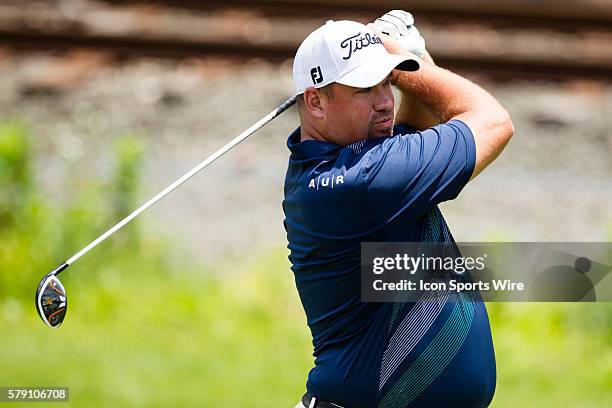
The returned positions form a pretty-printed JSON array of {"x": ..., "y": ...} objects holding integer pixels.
[{"x": 552, "y": 183}]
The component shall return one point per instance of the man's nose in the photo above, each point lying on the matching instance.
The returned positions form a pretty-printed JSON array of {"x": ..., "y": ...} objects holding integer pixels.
[{"x": 383, "y": 98}]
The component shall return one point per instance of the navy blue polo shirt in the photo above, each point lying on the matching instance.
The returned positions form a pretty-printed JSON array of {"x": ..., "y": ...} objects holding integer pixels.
[{"x": 429, "y": 353}]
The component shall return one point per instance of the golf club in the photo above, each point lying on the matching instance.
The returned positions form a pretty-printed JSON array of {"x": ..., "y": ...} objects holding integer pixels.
[{"x": 51, "y": 299}]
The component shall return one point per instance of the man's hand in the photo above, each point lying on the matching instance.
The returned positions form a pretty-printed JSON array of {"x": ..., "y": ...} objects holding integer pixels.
[
  {"x": 399, "y": 36},
  {"x": 399, "y": 26}
]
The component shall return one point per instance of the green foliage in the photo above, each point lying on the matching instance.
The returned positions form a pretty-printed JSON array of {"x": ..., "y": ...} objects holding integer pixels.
[
  {"x": 15, "y": 158},
  {"x": 36, "y": 237},
  {"x": 124, "y": 185},
  {"x": 15, "y": 173}
]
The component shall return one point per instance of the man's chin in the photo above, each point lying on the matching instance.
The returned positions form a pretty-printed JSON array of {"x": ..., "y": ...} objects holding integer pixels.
[{"x": 377, "y": 133}]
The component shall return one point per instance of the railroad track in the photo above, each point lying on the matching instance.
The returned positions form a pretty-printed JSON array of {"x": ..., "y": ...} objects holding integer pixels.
[
  {"x": 252, "y": 33},
  {"x": 563, "y": 15},
  {"x": 494, "y": 67}
]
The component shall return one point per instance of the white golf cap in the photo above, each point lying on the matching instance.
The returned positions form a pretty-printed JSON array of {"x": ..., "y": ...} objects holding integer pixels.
[{"x": 345, "y": 52}]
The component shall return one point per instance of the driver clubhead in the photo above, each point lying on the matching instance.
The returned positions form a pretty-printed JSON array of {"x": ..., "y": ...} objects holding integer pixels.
[{"x": 51, "y": 301}]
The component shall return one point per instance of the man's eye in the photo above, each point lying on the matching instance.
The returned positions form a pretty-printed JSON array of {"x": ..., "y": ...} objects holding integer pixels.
[{"x": 364, "y": 90}]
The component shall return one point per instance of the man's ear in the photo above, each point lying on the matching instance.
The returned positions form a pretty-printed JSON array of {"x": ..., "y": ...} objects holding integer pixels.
[{"x": 314, "y": 103}]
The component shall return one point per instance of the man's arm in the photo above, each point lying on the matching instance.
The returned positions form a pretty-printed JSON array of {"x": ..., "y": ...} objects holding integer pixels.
[
  {"x": 412, "y": 111},
  {"x": 448, "y": 96}
]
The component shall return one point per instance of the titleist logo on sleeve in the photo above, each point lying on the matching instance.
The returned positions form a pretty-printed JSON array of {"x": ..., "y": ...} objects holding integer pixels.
[{"x": 355, "y": 43}]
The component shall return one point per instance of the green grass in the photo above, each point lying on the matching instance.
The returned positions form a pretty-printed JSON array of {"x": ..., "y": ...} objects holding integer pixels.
[
  {"x": 166, "y": 340},
  {"x": 553, "y": 354},
  {"x": 183, "y": 338}
]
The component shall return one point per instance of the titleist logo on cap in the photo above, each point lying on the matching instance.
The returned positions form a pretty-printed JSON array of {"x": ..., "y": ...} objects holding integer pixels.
[{"x": 356, "y": 43}]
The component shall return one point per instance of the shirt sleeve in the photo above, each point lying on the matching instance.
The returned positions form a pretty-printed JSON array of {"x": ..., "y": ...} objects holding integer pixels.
[{"x": 415, "y": 170}]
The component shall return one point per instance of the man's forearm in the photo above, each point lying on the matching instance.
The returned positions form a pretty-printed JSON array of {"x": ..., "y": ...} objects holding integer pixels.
[
  {"x": 412, "y": 111},
  {"x": 445, "y": 94},
  {"x": 449, "y": 96}
]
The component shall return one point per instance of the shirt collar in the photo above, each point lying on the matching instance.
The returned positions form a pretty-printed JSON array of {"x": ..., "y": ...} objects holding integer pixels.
[{"x": 308, "y": 148}]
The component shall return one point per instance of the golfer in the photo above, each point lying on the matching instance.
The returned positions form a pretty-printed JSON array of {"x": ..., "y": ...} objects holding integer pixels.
[{"x": 359, "y": 173}]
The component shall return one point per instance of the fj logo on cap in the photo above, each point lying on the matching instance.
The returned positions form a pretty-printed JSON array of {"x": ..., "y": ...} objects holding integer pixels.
[{"x": 317, "y": 76}]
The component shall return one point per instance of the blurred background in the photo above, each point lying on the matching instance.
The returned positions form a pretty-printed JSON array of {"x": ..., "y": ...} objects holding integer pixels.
[{"x": 104, "y": 103}]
